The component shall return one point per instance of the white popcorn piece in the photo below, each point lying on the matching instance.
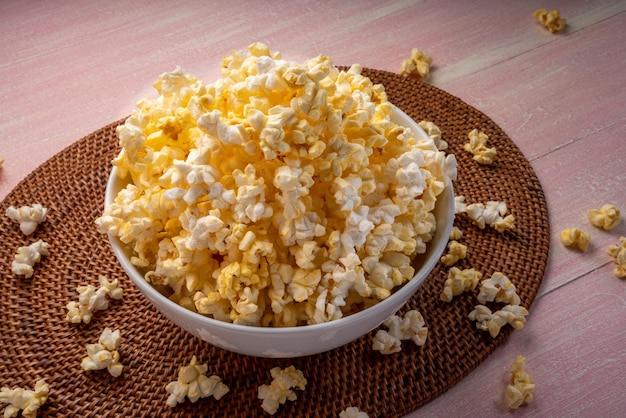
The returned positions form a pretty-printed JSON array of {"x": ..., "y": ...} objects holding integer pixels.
[
  {"x": 275, "y": 164},
  {"x": 607, "y": 217},
  {"x": 25, "y": 400},
  {"x": 417, "y": 65},
  {"x": 409, "y": 327},
  {"x": 486, "y": 320},
  {"x": 456, "y": 252},
  {"x": 385, "y": 343},
  {"x": 91, "y": 299},
  {"x": 574, "y": 237},
  {"x": 104, "y": 354},
  {"x": 477, "y": 145},
  {"x": 29, "y": 217},
  {"x": 194, "y": 384},
  {"x": 456, "y": 233},
  {"x": 353, "y": 412},
  {"x": 280, "y": 390},
  {"x": 492, "y": 213},
  {"x": 618, "y": 253},
  {"x": 498, "y": 288},
  {"x": 27, "y": 257},
  {"x": 550, "y": 20},
  {"x": 459, "y": 281},
  {"x": 522, "y": 389}
]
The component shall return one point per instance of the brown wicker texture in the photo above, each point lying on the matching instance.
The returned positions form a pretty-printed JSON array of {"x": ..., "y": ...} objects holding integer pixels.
[{"x": 36, "y": 341}]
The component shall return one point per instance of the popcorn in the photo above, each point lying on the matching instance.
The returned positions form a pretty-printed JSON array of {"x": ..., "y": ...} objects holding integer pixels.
[
  {"x": 27, "y": 256},
  {"x": 618, "y": 252},
  {"x": 104, "y": 354},
  {"x": 275, "y": 164},
  {"x": 521, "y": 390},
  {"x": 29, "y": 217},
  {"x": 194, "y": 384},
  {"x": 352, "y": 412},
  {"x": 576, "y": 238},
  {"x": 91, "y": 299},
  {"x": 434, "y": 133},
  {"x": 486, "y": 320},
  {"x": 409, "y": 327},
  {"x": 456, "y": 252},
  {"x": 281, "y": 389},
  {"x": 478, "y": 147},
  {"x": 550, "y": 20},
  {"x": 417, "y": 65},
  {"x": 459, "y": 281},
  {"x": 28, "y": 401},
  {"x": 492, "y": 213},
  {"x": 456, "y": 233},
  {"x": 498, "y": 288},
  {"x": 607, "y": 217}
]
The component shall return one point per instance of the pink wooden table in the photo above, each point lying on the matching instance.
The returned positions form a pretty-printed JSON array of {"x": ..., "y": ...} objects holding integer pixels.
[{"x": 68, "y": 68}]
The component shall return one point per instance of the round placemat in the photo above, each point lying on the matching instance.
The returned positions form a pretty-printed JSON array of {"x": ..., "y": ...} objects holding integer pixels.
[{"x": 37, "y": 343}]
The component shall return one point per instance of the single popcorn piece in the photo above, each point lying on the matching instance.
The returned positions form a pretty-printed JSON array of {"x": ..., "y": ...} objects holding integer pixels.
[
  {"x": 492, "y": 213},
  {"x": 477, "y": 145},
  {"x": 459, "y": 281},
  {"x": 434, "y": 133},
  {"x": 550, "y": 20},
  {"x": 498, "y": 288},
  {"x": 456, "y": 233},
  {"x": 456, "y": 252},
  {"x": 282, "y": 194},
  {"x": 574, "y": 237},
  {"x": 280, "y": 390},
  {"x": 607, "y": 217},
  {"x": 618, "y": 252},
  {"x": 353, "y": 412},
  {"x": 486, "y": 320},
  {"x": 29, "y": 217},
  {"x": 521, "y": 390},
  {"x": 25, "y": 400},
  {"x": 417, "y": 65},
  {"x": 194, "y": 384},
  {"x": 91, "y": 299},
  {"x": 27, "y": 257},
  {"x": 104, "y": 354},
  {"x": 409, "y": 327}
]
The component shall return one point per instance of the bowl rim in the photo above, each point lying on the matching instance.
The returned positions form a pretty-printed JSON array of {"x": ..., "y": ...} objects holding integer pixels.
[{"x": 399, "y": 296}]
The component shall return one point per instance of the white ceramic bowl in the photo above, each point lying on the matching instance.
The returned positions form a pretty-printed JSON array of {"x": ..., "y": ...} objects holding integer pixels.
[{"x": 301, "y": 340}]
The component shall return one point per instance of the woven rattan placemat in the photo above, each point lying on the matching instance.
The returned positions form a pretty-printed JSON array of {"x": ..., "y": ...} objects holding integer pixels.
[{"x": 36, "y": 341}]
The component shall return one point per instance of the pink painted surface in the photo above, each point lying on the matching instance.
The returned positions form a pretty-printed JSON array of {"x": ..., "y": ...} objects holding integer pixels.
[{"x": 67, "y": 68}]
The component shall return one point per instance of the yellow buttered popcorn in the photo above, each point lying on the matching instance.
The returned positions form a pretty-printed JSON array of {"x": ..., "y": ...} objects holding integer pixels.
[
  {"x": 522, "y": 389},
  {"x": 279, "y": 195},
  {"x": 618, "y": 253},
  {"x": 574, "y": 237},
  {"x": 477, "y": 145},
  {"x": 550, "y": 20},
  {"x": 417, "y": 65},
  {"x": 607, "y": 217}
]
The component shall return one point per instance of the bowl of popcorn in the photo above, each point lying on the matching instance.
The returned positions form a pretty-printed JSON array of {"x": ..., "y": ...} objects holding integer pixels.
[{"x": 284, "y": 210}]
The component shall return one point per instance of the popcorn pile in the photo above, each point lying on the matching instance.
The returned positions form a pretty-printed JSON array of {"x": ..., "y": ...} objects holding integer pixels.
[
  {"x": 279, "y": 195},
  {"x": 91, "y": 299},
  {"x": 409, "y": 327},
  {"x": 281, "y": 389},
  {"x": 194, "y": 384},
  {"x": 28, "y": 401},
  {"x": 104, "y": 354}
]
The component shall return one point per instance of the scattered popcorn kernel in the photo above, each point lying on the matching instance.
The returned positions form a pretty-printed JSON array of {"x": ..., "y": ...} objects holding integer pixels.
[
  {"x": 607, "y": 217},
  {"x": 498, "y": 288},
  {"x": 28, "y": 216},
  {"x": 25, "y": 400},
  {"x": 459, "y": 281},
  {"x": 486, "y": 320},
  {"x": 618, "y": 252},
  {"x": 550, "y": 20},
  {"x": 521, "y": 390},
  {"x": 409, "y": 327},
  {"x": 26, "y": 258},
  {"x": 434, "y": 133},
  {"x": 477, "y": 145},
  {"x": 194, "y": 384},
  {"x": 281, "y": 389},
  {"x": 104, "y": 354},
  {"x": 574, "y": 237},
  {"x": 91, "y": 299},
  {"x": 352, "y": 412},
  {"x": 280, "y": 195},
  {"x": 456, "y": 252},
  {"x": 459, "y": 205},
  {"x": 492, "y": 214},
  {"x": 417, "y": 65},
  {"x": 456, "y": 233}
]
